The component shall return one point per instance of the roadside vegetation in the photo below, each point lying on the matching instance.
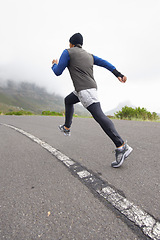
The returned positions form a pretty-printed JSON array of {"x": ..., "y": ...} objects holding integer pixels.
[
  {"x": 21, "y": 112},
  {"x": 138, "y": 113},
  {"x": 126, "y": 113},
  {"x": 49, "y": 113}
]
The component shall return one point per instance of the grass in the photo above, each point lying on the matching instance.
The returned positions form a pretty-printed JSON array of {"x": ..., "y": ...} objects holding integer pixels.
[
  {"x": 49, "y": 113},
  {"x": 18, "y": 113},
  {"x": 138, "y": 119}
]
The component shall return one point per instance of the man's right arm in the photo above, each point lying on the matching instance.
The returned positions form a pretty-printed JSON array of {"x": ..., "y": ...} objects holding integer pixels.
[{"x": 58, "y": 68}]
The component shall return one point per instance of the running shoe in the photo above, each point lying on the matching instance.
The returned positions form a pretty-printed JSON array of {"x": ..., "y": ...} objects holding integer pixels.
[
  {"x": 64, "y": 130},
  {"x": 121, "y": 155}
]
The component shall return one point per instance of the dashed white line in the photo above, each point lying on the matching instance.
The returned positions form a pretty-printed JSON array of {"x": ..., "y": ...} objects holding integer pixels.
[
  {"x": 84, "y": 174},
  {"x": 147, "y": 223}
]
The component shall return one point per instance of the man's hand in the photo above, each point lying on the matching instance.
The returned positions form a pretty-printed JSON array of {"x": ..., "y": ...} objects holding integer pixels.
[
  {"x": 55, "y": 61},
  {"x": 123, "y": 80}
]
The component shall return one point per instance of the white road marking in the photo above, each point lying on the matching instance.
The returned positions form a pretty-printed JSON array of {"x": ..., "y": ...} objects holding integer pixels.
[
  {"x": 83, "y": 174},
  {"x": 149, "y": 225}
]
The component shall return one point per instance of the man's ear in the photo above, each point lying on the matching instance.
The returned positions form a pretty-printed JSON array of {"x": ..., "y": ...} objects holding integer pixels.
[{"x": 71, "y": 45}]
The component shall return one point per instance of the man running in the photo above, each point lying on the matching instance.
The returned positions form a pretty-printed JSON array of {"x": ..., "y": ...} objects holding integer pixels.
[{"x": 80, "y": 65}]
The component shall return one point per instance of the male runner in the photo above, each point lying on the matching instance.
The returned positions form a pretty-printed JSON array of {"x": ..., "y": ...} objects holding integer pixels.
[{"x": 80, "y": 65}]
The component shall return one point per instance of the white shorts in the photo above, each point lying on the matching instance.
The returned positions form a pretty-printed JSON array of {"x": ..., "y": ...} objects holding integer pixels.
[{"x": 87, "y": 96}]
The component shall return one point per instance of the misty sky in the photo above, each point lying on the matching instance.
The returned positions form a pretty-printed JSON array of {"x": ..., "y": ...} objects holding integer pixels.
[{"x": 124, "y": 32}]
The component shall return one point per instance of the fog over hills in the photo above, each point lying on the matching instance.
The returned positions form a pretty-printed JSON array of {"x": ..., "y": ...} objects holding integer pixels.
[
  {"x": 27, "y": 96},
  {"x": 30, "y": 97}
]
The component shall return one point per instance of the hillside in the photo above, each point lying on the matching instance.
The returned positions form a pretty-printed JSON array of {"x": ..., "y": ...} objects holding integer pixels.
[
  {"x": 30, "y": 97},
  {"x": 119, "y": 107}
]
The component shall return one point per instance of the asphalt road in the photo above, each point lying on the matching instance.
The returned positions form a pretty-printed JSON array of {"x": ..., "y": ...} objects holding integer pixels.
[{"x": 41, "y": 199}]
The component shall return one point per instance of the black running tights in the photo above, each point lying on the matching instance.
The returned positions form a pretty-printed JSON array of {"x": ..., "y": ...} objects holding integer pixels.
[{"x": 97, "y": 113}]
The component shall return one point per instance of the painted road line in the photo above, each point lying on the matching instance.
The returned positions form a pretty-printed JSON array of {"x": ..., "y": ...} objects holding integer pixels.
[
  {"x": 83, "y": 174},
  {"x": 147, "y": 223}
]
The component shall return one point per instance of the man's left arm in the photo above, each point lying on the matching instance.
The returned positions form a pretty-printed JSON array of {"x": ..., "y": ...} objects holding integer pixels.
[{"x": 103, "y": 63}]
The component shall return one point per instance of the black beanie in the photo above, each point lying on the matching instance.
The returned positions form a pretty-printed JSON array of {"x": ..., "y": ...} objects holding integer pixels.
[{"x": 77, "y": 38}]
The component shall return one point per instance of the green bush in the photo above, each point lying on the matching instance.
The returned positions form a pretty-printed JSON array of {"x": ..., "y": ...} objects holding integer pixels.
[
  {"x": 49, "y": 113},
  {"x": 136, "y": 113},
  {"x": 22, "y": 112}
]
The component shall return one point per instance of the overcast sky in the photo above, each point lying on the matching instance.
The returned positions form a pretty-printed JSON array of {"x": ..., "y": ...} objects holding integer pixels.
[{"x": 124, "y": 32}]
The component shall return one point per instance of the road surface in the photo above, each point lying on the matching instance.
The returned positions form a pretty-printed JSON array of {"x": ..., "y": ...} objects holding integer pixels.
[{"x": 43, "y": 199}]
